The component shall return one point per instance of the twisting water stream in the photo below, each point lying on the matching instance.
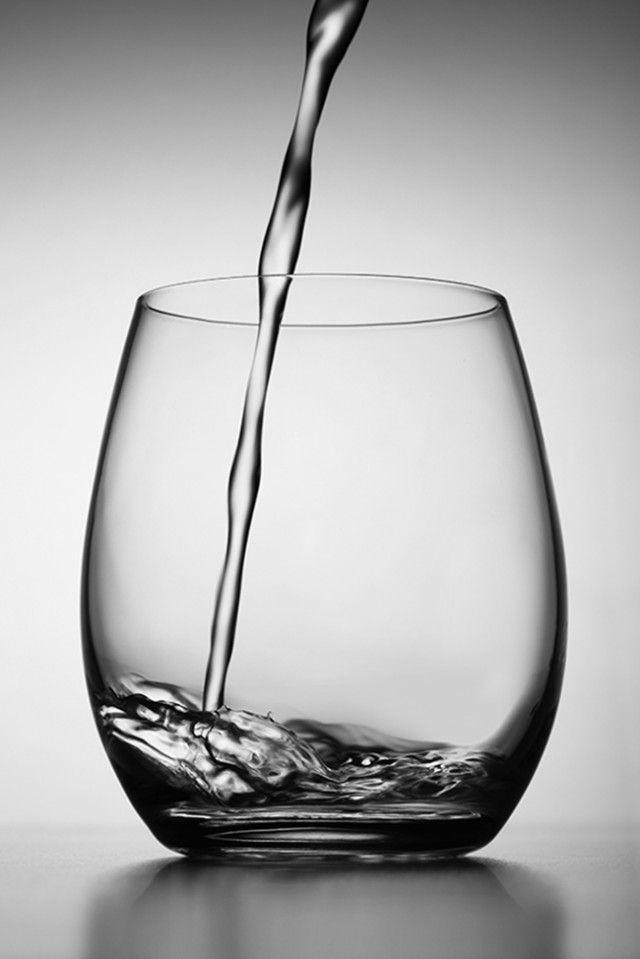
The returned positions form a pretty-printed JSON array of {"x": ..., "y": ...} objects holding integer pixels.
[{"x": 332, "y": 26}]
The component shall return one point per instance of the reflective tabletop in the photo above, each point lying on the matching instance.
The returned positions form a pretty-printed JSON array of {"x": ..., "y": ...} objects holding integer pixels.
[{"x": 543, "y": 893}]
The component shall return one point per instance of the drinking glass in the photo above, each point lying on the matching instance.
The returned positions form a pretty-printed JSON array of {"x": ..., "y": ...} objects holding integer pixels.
[{"x": 401, "y": 632}]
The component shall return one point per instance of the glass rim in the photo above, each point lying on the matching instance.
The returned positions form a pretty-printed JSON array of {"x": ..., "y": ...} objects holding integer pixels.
[{"x": 497, "y": 300}]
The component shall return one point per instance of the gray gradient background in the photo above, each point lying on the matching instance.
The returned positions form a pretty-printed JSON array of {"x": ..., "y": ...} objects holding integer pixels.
[{"x": 493, "y": 142}]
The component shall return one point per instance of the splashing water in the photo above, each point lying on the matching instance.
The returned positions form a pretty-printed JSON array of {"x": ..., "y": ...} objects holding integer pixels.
[{"x": 233, "y": 758}]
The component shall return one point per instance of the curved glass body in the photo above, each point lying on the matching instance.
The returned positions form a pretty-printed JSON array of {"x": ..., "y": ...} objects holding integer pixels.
[{"x": 400, "y": 640}]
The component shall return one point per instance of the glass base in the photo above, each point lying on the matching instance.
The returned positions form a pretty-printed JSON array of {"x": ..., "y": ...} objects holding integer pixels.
[{"x": 390, "y": 833}]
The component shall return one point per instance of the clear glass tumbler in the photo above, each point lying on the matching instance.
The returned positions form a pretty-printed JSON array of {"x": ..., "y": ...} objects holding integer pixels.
[{"x": 400, "y": 641}]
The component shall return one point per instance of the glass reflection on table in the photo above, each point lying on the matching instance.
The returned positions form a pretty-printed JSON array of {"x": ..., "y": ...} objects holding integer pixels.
[{"x": 463, "y": 908}]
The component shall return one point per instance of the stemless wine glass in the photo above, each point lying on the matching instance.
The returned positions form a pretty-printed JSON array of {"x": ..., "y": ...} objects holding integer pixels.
[{"x": 400, "y": 640}]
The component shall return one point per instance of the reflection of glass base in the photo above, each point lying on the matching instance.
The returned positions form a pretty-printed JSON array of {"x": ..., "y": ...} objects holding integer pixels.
[
  {"x": 394, "y": 832},
  {"x": 307, "y": 909}
]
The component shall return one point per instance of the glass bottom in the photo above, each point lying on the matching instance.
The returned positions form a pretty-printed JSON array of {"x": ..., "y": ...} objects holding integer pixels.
[{"x": 393, "y": 833}]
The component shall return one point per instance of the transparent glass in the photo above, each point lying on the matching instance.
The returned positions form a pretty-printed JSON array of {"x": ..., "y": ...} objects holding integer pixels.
[{"x": 400, "y": 641}]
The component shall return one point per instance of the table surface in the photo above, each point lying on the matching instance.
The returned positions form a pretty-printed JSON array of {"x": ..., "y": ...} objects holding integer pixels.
[{"x": 543, "y": 893}]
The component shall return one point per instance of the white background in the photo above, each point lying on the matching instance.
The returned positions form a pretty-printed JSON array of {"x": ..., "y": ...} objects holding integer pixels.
[{"x": 494, "y": 143}]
